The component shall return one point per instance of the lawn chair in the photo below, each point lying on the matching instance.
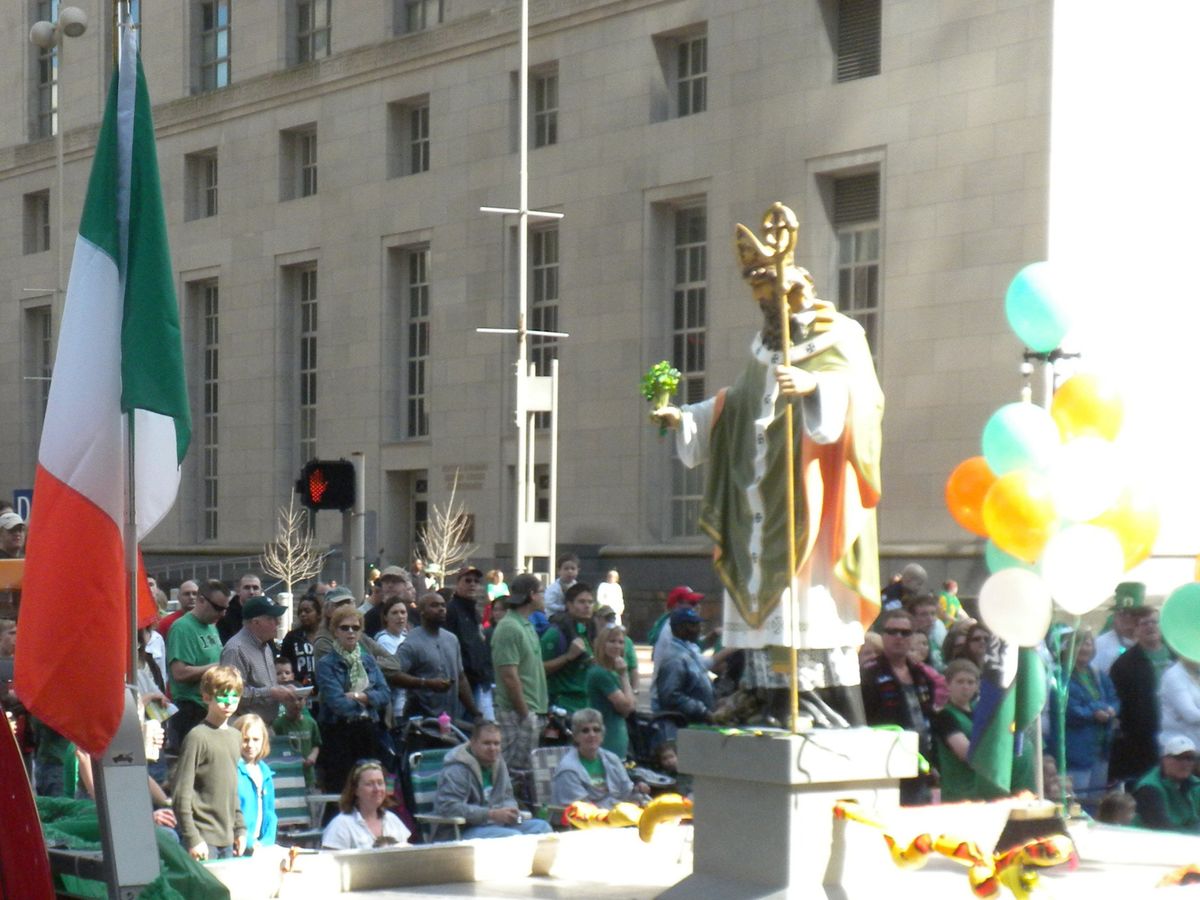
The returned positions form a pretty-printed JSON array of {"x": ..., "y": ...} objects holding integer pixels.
[
  {"x": 296, "y": 825},
  {"x": 424, "y": 766},
  {"x": 545, "y": 761}
]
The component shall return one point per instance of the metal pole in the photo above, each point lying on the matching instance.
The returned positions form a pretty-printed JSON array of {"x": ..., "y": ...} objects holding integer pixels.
[
  {"x": 358, "y": 530},
  {"x": 553, "y": 543},
  {"x": 522, "y": 417},
  {"x": 60, "y": 299}
]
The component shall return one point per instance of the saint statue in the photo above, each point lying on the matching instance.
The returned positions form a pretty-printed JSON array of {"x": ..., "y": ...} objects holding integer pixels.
[{"x": 820, "y": 609}]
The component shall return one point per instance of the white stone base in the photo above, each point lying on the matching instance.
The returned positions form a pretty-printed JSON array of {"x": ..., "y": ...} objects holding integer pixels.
[{"x": 764, "y": 824}]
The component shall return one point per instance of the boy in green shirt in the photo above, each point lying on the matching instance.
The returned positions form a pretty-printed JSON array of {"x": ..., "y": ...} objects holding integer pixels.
[
  {"x": 297, "y": 725},
  {"x": 566, "y": 651},
  {"x": 952, "y": 732}
]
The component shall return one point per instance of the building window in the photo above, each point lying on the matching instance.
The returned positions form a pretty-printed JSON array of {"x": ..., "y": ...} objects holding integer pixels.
[
  {"x": 856, "y": 222},
  {"x": 691, "y": 75},
  {"x": 37, "y": 222},
  {"x": 312, "y": 29},
  {"x": 200, "y": 174},
  {"x": 416, "y": 315},
  {"x": 39, "y": 362},
  {"x": 858, "y": 39},
  {"x": 44, "y": 119},
  {"x": 419, "y": 516},
  {"x": 543, "y": 305},
  {"x": 305, "y": 286},
  {"x": 214, "y": 37},
  {"x": 207, "y": 298},
  {"x": 688, "y": 331},
  {"x": 543, "y": 91},
  {"x": 417, "y": 15},
  {"x": 408, "y": 137},
  {"x": 298, "y": 162},
  {"x": 541, "y": 496}
]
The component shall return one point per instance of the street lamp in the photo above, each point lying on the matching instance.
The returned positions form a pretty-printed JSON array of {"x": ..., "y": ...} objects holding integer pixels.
[{"x": 72, "y": 22}]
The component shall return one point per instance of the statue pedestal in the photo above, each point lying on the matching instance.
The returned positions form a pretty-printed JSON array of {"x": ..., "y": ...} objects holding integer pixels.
[{"x": 764, "y": 824}]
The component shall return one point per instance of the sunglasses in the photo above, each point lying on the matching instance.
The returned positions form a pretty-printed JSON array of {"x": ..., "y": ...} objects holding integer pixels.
[
  {"x": 350, "y": 628},
  {"x": 217, "y": 606},
  {"x": 898, "y": 632}
]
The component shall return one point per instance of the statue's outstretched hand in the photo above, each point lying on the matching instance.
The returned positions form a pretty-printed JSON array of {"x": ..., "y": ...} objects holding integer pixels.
[
  {"x": 666, "y": 417},
  {"x": 794, "y": 382}
]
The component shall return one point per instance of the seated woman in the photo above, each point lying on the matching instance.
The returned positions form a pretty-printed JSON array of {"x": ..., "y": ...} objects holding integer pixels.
[
  {"x": 589, "y": 772},
  {"x": 364, "y": 822}
]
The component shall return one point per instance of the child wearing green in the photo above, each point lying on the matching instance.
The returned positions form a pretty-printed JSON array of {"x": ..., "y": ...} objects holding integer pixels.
[{"x": 952, "y": 732}]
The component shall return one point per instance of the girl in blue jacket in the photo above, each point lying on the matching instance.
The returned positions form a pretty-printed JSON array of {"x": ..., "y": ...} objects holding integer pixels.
[{"x": 256, "y": 783}]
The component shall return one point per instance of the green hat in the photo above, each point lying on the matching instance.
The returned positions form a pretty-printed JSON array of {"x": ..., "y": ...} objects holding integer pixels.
[{"x": 1129, "y": 595}]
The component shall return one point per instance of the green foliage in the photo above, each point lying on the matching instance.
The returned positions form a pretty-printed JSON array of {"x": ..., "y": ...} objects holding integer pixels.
[{"x": 661, "y": 379}]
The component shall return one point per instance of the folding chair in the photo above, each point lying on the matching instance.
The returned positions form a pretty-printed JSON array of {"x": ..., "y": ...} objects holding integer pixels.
[
  {"x": 424, "y": 766},
  {"x": 545, "y": 761},
  {"x": 291, "y": 799}
]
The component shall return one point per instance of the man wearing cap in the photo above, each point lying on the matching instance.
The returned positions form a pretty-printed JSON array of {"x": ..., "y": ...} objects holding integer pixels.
[
  {"x": 393, "y": 582},
  {"x": 521, "y": 694},
  {"x": 681, "y": 683},
  {"x": 660, "y": 633},
  {"x": 252, "y": 652},
  {"x": 1128, "y": 597},
  {"x": 1168, "y": 796},
  {"x": 12, "y": 535},
  {"x": 463, "y": 621}
]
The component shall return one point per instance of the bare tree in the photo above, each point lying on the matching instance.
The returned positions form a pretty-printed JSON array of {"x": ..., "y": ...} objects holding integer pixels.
[
  {"x": 447, "y": 533},
  {"x": 292, "y": 556}
]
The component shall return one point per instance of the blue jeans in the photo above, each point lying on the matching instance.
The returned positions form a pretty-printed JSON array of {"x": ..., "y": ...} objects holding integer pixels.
[
  {"x": 529, "y": 826},
  {"x": 225, "y": 852}
]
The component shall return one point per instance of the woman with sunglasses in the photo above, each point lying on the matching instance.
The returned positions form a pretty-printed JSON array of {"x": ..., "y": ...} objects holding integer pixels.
[
  {"x": 589, "y": 772},
  {"x": 364, "y": 822},
  {"x": 353, "y": 697}
]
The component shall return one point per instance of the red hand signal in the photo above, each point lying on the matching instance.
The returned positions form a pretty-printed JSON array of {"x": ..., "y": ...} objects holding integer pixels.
[{"x": 317, "y": 485}]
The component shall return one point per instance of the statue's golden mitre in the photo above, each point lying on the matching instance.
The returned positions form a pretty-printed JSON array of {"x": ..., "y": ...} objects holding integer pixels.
[{"x": 771, "y": 261}]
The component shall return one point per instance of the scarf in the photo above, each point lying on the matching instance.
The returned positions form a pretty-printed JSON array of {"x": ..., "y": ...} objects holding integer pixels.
[{"x": 356, "y": 671}]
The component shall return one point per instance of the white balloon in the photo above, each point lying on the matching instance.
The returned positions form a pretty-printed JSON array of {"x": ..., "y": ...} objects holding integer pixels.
[
  {"x": 1081, "y": 565},
  {"x": 1084, "y": 478},
  {"x": 1015, "y": 605}
]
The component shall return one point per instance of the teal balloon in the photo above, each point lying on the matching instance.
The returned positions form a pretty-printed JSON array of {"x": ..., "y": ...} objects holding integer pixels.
[
  {"x": 1037, "y": 308},
  {"x": 998, "y": 560},
  {"x": 1180, "y": 621},
  {"x": 1019, "y": 436}
]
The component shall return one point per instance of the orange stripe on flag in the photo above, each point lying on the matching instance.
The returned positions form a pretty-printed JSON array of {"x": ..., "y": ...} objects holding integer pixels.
[{"x": 73, "y": 634}]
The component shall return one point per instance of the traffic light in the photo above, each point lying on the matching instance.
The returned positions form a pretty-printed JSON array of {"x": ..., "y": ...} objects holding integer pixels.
[{"x": 327, "y": 484}]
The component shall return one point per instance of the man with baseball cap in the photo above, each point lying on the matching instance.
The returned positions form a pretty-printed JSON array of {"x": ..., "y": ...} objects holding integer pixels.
[
  {"x": 252, "y": 652},
  {"x": 681, "y": 682},
  {"x": 1168, "y": 796},
  {"x": 393, "y": 582},
  {"x": 521, "y": 694},
  {"x": 12, "y": 535},
  {"x": 660, "y": 632},
  {"x": 464, "y": 622}
]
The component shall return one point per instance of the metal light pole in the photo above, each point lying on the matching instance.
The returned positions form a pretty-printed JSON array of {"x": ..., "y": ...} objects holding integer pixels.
[
  {"x": 523, "y": 213},
  {"x": 71, "y": 22}
]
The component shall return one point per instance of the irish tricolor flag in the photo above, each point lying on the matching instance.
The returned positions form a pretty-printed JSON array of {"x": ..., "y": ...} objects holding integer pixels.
[{"x": 119, "y": 352}]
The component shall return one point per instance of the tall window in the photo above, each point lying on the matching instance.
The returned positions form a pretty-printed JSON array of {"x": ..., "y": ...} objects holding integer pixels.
[
  {"x": 312, "y": 29},
  {"x": 418, "y": 141},
  {"x": 39, "y": 362},
  {"x": 858, "y": 39},
  {"x": 306, "y": 300},
  {"x": 201, "y": 176},
  {"x": 691, "y": 75},
  {"x": 214, "y": 44},
  {"x": 856, "y": 221},
  {"x": 417, "y": 15},
  {"x": 543, "y": 305},
  {"x": 416, "y": 387},
  {"x": 44, "y": 119},
  {"x": 37, "y": 221},
  {"x": 208, "y": 298},
  {"x": 298, "y": 162},
  {"x": 689, "y": 331},
  {"x": 544, "y": 91}
]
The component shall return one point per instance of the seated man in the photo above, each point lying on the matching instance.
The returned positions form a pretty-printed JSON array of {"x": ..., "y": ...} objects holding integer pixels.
[
  {"x": 1168, "y": 796},
  {"x": 681, "y": 682},
  {"x": 474, "y": 785}
]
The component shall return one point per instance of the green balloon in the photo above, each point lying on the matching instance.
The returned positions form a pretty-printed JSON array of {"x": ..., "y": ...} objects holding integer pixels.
[
  {"x": 1019, "y": 436},
  {"x": 1180, "y": 621},
  {"x": 1037, "y": 309},
  {"x": 998, "y": 560}
]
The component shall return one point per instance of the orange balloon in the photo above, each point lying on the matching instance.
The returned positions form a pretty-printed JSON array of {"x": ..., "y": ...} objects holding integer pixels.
[
  {"x": 966, "y": 487},
  {"x": 1087, "y": 405},
  {"x": 1019, "y": 513},
  {"x": 1134, "y": 520}
]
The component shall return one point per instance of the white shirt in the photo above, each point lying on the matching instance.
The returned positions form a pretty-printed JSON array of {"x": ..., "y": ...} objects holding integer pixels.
[
  {"x": 349, "y": 831},
  {"x": 1109, "y": 647},
  {"x": 391, "y": 644},
  {"x": 610, "y": 594},
  {"x": 157, "y": 648}
]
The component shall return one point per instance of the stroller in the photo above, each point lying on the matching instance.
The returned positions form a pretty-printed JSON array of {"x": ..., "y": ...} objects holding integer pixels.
[{"x": 421, "y": 733}]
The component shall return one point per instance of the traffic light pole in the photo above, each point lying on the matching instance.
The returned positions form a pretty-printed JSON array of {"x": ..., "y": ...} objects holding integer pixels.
[{"x": 354, "y": 531}]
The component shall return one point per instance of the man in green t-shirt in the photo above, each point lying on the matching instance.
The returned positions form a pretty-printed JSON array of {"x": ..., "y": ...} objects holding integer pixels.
[
  {"x": 193, "y": 647},
  {"x": 521, "y": 697},
  {"x": 566, "y": 649}
]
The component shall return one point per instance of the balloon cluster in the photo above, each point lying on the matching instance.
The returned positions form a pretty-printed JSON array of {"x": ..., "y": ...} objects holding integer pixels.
[{"x": 1063, "y": 516}]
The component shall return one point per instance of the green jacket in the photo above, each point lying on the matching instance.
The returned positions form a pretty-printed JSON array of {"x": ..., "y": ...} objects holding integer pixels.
[{"x": 1166, "y": 804}]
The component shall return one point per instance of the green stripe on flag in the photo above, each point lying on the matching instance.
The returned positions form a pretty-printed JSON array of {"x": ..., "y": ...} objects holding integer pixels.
[
  {"x": 98, "y": 222},
  {"x": 152, "y": 370}
]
